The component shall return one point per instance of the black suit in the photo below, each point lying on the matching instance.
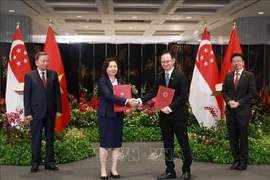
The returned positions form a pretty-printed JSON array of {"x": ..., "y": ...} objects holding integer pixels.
[
  {"x": 42, "y": 103},
  {"x": 176, "y": 121},
  {"x": 237, "y": 119}
]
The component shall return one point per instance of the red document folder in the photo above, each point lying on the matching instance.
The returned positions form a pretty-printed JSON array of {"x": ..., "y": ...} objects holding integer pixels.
[
  {"x": 164, "y": 97},
  {"x": 122, "y": 91}
]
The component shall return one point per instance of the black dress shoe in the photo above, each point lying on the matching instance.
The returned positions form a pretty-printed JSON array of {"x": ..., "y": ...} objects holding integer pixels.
[
  {"x": 167, "y": 175},
  {"x": 242, "y": 167},
  {"x": 52, "y": 168},
  {"x": 34, "y": 169},
  {"x": 235, "y": 166},
  {"x": 185, "y": 176},
  {"x": 103, "y": 177},
  {"x": 115, "y": 176}
]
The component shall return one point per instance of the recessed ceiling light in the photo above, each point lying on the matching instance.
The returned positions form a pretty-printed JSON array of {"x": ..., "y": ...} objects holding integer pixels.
[
  {"x": 130, "y": 27},
  {"x": 260, "y": 12},
  {"x": 87, "y": 19},
  {"x": 195, "y": 32},
  {"x": 188, "y": 17},
  {"x": 134, "y": 17},
  {"x": 85, "y": 26},
  {"x": 11, "y": 10},
  {"x": 79, "y": 16}
]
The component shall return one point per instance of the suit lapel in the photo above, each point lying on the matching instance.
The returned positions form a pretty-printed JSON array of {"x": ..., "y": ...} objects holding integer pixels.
[
  {"x": 48, "y": 76},
  {"x": 162, "y": 79},
  {"x": 231, "y": 81},
  {"x": 242, "y": 79},
  {"x": 109, "y": 83},
  {"x": 172, "y": 77},
  {"x": 38, "y": 78}
]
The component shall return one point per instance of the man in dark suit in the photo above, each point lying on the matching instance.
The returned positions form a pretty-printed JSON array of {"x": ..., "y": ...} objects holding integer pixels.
[
  {"x": 42, "y": 103},
  {"x": 238, "y": 89},
  {"x": 173, "y": 118}
]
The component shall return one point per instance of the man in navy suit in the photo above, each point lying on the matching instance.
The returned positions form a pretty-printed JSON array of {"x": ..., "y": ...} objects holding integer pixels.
[
  {"x": 42, "y": 103},
  {"x": 238, "y": 89},
  {"x": 173, "y": 119}
]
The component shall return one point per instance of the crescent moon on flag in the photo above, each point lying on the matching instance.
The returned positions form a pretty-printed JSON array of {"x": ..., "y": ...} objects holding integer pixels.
[{"x": 14, "y": 43}]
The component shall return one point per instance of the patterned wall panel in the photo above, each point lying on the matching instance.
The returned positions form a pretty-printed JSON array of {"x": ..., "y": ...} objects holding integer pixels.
[{"x": 139, "y": 64}]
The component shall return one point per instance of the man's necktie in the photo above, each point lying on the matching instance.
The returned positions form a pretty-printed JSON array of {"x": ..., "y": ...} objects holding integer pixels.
[
  {"x": 236, "y": 80},
  {"x": 167, "y": 79},
  {"x": 43, "y": 78}
]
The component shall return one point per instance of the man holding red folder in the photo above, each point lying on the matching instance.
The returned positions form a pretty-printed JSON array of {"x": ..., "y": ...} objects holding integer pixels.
[{"x": 173, "y": 118}]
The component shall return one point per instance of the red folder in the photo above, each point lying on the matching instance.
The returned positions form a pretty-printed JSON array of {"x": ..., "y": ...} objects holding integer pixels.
[
  {"x": 122, "y": 91},
  {"x": 164, "y": 97}
]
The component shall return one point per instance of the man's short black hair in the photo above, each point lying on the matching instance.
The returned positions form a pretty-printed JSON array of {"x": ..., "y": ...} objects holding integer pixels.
[
  {"x": 237, "y": 54},
  {"x": 168, "y": 52}
]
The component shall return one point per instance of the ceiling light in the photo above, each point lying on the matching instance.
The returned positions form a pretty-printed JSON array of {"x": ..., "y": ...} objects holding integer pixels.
[
  {"x": 130, "y": 27},
  {"x": 11, "y": 10},
  {"x": 188, "y": 17},
  {"x": 134, "y": 17},
  {"x": 79, "y": 16},
  {"x": 195, "y": 32},
  {"x": 87, "y": 19},
  {"x": 85, "y": 26},
  {"x": 261, "y": 12}
]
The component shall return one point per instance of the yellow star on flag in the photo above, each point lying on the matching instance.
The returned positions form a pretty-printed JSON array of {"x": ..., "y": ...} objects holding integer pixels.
[{"x": 60, "y": 78}]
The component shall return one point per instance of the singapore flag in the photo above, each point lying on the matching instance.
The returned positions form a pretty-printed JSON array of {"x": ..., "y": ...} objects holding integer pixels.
[
  {"x": 18, "y": 66},
  {"x": 205, "y": 76}
]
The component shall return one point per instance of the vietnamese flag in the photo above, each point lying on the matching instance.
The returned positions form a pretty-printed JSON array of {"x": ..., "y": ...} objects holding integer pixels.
[
  {"x": 51, "y": 48},
  {"x": 233, "y": 47}
]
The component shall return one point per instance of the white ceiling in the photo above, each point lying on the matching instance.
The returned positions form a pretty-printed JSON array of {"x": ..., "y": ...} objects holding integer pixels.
[{"x": 157, "y": 21}]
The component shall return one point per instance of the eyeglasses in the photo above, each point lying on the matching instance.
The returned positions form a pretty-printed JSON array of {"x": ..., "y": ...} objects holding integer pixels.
[
  {"x": 166, "y": 62},
  {"x": 237, "y": 61}
]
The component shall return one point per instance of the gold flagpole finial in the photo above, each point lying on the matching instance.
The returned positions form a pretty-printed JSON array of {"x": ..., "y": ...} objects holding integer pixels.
[
  {"x": 234, "y": 24},
  {"x": 205, "y": 23},
  {"x": 18, "y": 25},
  {"x": 50, "y": 22}
]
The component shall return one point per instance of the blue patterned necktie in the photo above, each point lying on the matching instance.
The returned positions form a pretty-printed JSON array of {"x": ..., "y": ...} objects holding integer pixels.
[{"x": 167, "y": 79}]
